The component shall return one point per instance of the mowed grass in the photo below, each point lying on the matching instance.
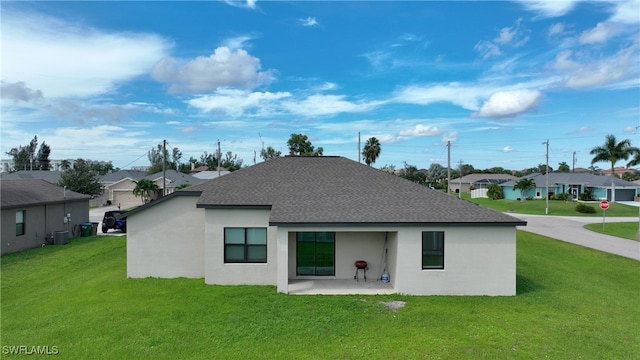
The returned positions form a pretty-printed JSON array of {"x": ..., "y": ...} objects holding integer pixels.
[
  {"x": 627, "y": 230},
  {"x": 572, "y": 303},
  {"x": 556, "y": 207}
]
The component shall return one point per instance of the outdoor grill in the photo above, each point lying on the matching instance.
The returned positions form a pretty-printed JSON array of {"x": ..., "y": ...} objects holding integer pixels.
[{"x": 361, "y": 265}]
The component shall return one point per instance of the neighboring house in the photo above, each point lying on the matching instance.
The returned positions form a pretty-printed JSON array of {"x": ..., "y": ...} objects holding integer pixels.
[
  {"x": 208, "y": 175},
  {"x": 618, "y": 171},
  {"x": 118, "y": 186},
  {"x": 477, "y": 181},
  {"x": 49, "y": 176},
  {"x": 294, "y": 218},
  {"x": 33, "y": 209},
  {"x": 574, "y": 184},
  {"x": 174, "y": 179}
]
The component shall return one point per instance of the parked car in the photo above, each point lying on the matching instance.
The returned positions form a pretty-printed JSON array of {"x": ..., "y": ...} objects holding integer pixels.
[{"x": 115, "y": 219}]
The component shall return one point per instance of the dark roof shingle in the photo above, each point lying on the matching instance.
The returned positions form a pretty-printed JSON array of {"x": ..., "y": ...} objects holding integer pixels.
[
  {"x": 27, "y": 192},
  {"x": 336, "y": 190}
]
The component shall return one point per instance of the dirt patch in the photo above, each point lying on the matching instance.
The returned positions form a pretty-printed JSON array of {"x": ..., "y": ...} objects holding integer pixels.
[{"x": 393, "y": 305}]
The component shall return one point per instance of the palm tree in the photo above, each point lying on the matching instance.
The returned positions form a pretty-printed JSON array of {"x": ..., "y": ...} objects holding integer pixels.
[
  {"x": 145, "y": 188},
  {"x": 524, "y": 185},
  {"x": 613, "y": 151},
  {"x": 371, "y": 151}
]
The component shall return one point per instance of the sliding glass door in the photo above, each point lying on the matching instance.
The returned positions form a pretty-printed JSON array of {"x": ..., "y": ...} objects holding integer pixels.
[{"x": 315, "y": 253}]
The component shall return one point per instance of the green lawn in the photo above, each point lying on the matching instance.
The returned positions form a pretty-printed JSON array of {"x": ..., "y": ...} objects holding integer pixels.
[
  {"x": 627, "y": 230},
  {"x": 556, "y": 207},
  {"x": 572, "y": 303}
]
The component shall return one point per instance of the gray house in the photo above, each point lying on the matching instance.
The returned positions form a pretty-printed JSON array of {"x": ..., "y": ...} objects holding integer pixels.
[
  {"x": 574, "y": 184},
  {"x": 34, "y": 209},
  {"x": 294, "y": 219}
]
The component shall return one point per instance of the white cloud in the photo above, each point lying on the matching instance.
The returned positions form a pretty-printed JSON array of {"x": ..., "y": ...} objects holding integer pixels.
[
  {"x": 223, "y": 68},
  {"x": 600, "y": 34},
  {"x": 514, "y": 36},
  {"x": 310, "y": 21},
  {"x": 550, "y": 8},
  {"x": 317, "y": 105},
  {"x": 421, "y": 130},
  {"x": 61, "y": 59},
  {"x": 19, "y": 92},
  {"x": 556, "y": 29},
  {"x": 617, "y": 68},
  {"x": 507, "y": 149},
  {"x": 327, "y": 86},
  {"x": 626, "y": 11},
  {"x": 249, "y": 4},
  {"x": 564, "y": 62},
  {"x": 238, "y": 42},
  {"x": 487, "y": 49},
  {"x": 236, "y": 103},
  {"x": 506, "y": 104},
  {"x": 464, "y": 95}
]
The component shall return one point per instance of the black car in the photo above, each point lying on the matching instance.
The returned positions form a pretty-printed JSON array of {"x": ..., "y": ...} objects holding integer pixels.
[{"x": 115, "y": 219}]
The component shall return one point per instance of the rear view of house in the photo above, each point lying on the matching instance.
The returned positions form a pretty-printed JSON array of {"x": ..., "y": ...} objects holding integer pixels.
[
  {"x": 294, "y": 218},
  {"x": 33, "y": 209}
]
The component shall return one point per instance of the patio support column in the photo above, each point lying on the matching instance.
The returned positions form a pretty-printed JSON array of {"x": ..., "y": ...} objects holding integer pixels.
[{"x": 283, "y": 261}]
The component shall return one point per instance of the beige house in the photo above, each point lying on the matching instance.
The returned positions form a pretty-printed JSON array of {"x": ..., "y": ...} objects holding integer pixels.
[
  {"x": 477, "y": 181},
  {"x": 33, "y": 210},
  {"x": 118, "y": 186},
  {"x": 307, "y": 220}
]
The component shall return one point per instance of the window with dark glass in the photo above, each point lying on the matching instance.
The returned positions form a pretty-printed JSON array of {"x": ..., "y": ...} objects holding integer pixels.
[
  {"x": 20, "y": 223},
  {"x": 245, "y": 245},
  {"x": 432, "y": 250},
  {"x": 315, "y": 253}
]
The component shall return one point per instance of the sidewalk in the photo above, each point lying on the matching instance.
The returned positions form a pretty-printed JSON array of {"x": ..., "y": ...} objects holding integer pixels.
[{"x": 570, "y": 229}]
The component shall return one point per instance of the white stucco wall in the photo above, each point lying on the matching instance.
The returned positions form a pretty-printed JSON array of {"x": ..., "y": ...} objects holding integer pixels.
[
  {"x": 477, "y": 261},
  {"x": 216, "y": 271},
  {"x": 167, "y": 240}
]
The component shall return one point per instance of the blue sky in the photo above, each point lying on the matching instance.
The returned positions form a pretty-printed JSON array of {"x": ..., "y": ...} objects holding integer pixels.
[{"x": 111, "y": 80}]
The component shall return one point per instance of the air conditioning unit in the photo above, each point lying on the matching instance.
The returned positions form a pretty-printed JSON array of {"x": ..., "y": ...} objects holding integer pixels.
[{"x": 61, "y": 237}]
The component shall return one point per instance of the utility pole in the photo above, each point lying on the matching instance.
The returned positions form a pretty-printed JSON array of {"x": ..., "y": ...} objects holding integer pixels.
[
  {"x": 574, "y": 162},
  {"x": 460, "y": 179},
  {"x": 359, "y": 157},
  {"x": 219, "y": 157},
  {"x": 164, "y": 165},
  {"x": 448, "y": 166},
  {"x": 546, "y": 210}
]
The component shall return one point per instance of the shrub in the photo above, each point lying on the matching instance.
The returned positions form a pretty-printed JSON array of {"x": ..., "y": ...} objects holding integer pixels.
[
  {"x": 529, "y": 197},
  {"x": 561, "y": 196},
  {"x": 585, "y": 196},
  {"x": 494, "y": 192},
  {"x": 585, "y": 209}
]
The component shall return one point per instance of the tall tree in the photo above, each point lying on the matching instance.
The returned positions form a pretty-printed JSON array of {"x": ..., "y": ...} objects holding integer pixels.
[
  {"x": 299, "y": 144},
  {"x": 42, "y": 159},
  {"x": 157, "y": 155},
  {"x": 436, "y": 174},
  {"x": 524, "y": 185},
  {"x": 371, "y": 151},
  {"x": 81, "y": 178},
  {"x": 231, "y": 162},
  {"x": 27, "y": 158},
  {"x": 269, "y": 153},
  {"x": 563, "y": 167},
  {"x": 145, "y": 188},
  {"x": 613, "y": 151}
]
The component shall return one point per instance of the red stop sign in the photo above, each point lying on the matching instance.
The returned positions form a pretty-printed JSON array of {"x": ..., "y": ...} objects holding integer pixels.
[{"x": 604, "y": 204}]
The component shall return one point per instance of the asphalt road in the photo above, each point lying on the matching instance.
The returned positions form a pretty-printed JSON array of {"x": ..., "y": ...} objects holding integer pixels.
[{"x": 570, "y": 229}]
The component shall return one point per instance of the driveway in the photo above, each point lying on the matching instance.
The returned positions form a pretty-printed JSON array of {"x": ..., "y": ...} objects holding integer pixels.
[
  {"x": 97, "y": 214},
  {"x": 570, "y": 229}
]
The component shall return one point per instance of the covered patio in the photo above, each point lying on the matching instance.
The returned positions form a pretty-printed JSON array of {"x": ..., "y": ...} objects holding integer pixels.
[{"x": 339, "y": 287}]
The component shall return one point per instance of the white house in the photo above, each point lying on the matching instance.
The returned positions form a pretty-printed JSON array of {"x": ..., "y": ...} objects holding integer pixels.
[{"x": 294, "y": 218}]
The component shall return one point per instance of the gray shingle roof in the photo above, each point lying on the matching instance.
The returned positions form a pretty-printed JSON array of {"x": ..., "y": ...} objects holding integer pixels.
[
  {"x": 175, "y": 178},
  {"x": 336, "y": 190},
  {"x": 50, "y": 176},
  {"x": 122, "y": 174},
  {"x": 26, "y": 192}
]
